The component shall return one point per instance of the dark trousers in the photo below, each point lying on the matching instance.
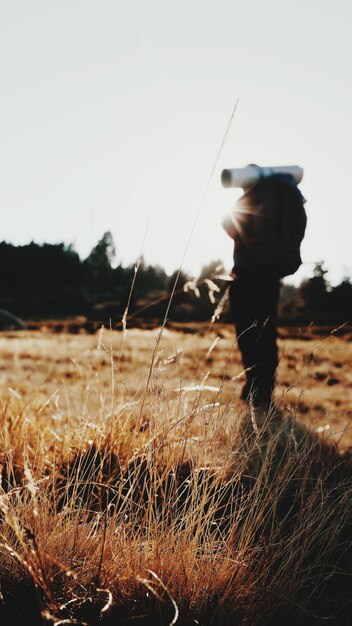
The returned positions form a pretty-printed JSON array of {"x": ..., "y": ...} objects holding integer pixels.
[{"x": 254, "y": 309}]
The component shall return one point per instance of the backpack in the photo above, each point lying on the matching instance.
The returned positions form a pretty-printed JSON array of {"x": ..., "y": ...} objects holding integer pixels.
[{"x": 270, "y": 222}]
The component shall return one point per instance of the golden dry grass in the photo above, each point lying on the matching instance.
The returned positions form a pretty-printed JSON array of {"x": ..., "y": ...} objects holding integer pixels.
[
  {"x": 46, "y": 377},
  {"x": 136, "y": 489}
]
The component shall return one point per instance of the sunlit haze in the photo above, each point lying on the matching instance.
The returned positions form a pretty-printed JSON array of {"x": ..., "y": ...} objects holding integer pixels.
[{"x": 112, "y": 114}]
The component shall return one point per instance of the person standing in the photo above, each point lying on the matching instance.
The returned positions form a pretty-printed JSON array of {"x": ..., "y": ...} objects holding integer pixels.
[{"x": 267, "y": 226}]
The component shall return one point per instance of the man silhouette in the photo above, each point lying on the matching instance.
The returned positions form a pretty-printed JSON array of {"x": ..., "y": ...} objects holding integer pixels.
[{"x": 267, "y": 226}]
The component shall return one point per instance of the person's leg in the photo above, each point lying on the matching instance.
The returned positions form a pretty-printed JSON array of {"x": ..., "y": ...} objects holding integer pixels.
[
  {"x": 244, "y": 317},
  {"x": 267, "y": 351},
  {"x": 254, "y": 311}
]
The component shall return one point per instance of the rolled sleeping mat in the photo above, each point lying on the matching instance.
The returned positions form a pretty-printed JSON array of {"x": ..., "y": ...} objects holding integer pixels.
[{"x": 251, "y": 174}]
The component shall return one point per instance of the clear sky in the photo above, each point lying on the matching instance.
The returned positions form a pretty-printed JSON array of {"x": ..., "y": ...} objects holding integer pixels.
[{"x": 112, "y": 113}]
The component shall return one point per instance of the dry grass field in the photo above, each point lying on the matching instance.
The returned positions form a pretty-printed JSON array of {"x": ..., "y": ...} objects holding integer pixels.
[
  {"x": 137, "y": 488},
  {"x": 49, "y": 378}
]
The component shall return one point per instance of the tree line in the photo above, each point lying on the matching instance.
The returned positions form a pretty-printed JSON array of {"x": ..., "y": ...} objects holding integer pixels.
[{"x": 52, "y": 281}]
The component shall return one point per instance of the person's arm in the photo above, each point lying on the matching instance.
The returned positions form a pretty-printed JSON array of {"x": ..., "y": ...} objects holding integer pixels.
[{"x": 228, "y": 225}]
